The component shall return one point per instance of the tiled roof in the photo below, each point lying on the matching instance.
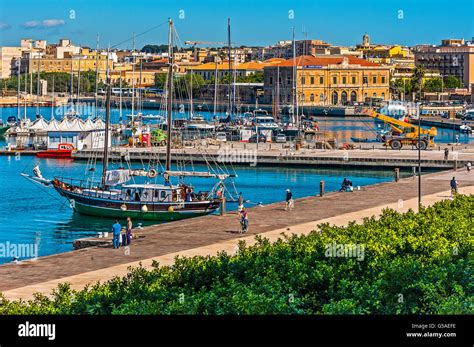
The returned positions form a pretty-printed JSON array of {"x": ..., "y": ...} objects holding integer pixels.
[{"x": 324, "y": 61}]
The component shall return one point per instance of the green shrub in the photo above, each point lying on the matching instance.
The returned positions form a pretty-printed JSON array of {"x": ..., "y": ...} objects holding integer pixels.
[{"x": 414, "y": 263}]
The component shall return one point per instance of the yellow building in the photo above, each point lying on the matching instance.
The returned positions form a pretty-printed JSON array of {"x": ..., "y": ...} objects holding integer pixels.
[
  {"x": 208, "y": 70},
  {"x": 326, "y": 80},
  {"x": 139, "y": 79},
  {"x": 83, "y": 62}
]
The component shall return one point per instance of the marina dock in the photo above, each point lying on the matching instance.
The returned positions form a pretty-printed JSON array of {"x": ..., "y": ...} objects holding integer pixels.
[
  {"x": 211, "y": 233},
  {"x": 369, "y": 156}
]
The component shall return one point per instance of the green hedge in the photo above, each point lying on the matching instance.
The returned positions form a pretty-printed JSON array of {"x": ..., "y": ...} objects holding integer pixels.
[{"x": 413, "y": 263}]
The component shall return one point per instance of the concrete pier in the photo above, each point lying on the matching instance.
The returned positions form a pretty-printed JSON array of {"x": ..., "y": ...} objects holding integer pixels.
[{"x": 370, "y": 157}]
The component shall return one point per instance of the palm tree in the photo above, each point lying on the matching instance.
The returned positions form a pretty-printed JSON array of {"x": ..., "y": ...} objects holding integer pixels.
[{"x": 417, "y": 80}]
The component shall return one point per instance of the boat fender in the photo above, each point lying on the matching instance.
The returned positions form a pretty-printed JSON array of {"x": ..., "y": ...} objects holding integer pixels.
[
  {"x": 72, "y": 203},
  {"x": 144, "y": 209},
  {"x": 152, "y": 173},
  {"x": 170, "y": 209},
  {"x": 123, "y": 207}
]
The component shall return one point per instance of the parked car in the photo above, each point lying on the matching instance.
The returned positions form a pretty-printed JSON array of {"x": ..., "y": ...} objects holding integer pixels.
[
  {"x": 261, "y": 138},
  {"x": 221, "y": 137},
  {"x": 280, "y": 138}
]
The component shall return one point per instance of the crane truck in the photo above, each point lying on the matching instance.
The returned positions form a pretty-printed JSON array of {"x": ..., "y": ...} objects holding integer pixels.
[{"x": 404, "y": 133}]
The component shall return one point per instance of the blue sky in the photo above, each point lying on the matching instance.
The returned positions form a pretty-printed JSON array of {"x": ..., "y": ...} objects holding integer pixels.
[{"x": 254, "y": 22}]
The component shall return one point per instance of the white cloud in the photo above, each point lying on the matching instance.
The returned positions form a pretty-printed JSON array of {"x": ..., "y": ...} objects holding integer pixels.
[
  {"x": 5, "y": 26},
  {"x": 31, "y": 24},
  {"x": 47, "y": 23}
]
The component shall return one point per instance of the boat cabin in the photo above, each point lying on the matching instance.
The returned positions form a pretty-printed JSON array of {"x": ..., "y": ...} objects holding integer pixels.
[{"x": 151, "y": 193}]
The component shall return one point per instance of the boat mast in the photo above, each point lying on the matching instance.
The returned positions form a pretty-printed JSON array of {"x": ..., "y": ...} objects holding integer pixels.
[
  {"x": 277, "y": 100},
  {"x": 120, "y": 98},
  {"x": 169, "y": 95},
  {"x": 215, "y": 89},
  {"x": 133, "y": 82},
  {"x": 18, "y": 65},
  {"x": 78, "y": 81},
  {"x": 38, "y": 83},
  {"x": 230, "y": 67},
  {"x": 295, "y": 102},
  {"x": 107, "y": 124},
  {"x": 191, "y": 97},
  {"x": 96, "y": 75},
  {"x": 52, "y": 101},
  {"x": 71, "y": 92}
]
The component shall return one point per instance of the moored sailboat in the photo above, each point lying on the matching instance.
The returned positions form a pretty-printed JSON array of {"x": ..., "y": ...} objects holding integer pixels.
[{"x": 114, "y": 196}]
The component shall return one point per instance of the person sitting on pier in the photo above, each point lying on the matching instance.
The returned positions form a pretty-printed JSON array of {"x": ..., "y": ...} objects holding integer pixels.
[{"x": 346, "y": 185}]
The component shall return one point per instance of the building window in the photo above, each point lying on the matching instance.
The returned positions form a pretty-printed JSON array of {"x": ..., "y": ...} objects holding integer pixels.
[
  {"x": 271, "y": 80},
  {"x": 312, "y": 80},
  {"x": 353, "y": 96},
  {"x": 288, "y": 79},
  {"x": 374, "y": 79},
  {"x": 344, "y": 80},
  {"x": 383, "y": 79},
  {"x": 383, "y": 96},
  {"x": 334, "y": 98},
  {"x": 311, "y": 97},
  {"x": 365, "y": 96},
  {"x": 302, "y": 97},
  {"x": 321, "y": 97},
  {"x": 334, "y": 79},
  {"x": 374, "y": 95},
  {"x": 365, "y": 80},
  {"x": 321, "y": 80},
  {"x": 353, "y": 80},
  {"x": 303, "y": 80},
  {"x": 344, "y": 97}
]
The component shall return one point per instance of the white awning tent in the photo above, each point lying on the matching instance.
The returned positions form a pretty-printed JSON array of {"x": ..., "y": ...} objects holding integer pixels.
[
  {"x": 39, "y": 124},
  {"x": 53, "y": 125}
]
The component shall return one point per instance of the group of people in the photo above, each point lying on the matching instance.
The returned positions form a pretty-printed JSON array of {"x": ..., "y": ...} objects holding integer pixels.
[{"x": 117, "y": 232}]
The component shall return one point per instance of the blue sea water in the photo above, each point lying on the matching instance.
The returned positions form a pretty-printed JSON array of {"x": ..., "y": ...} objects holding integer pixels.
[
  {"x": 31, "y": 214},
  {"x": 342, "y": 128}
]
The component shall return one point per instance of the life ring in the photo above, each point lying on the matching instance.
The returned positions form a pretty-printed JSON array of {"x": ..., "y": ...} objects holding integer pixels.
[{"x": 152, "y": 173}]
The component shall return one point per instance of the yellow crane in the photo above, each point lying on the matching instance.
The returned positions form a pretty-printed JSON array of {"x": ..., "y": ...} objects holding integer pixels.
[{"x": 406, "y": 133}]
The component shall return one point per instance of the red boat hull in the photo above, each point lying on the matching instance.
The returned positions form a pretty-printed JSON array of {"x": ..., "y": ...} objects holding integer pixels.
[
  {"x": 54, "y": 154},
  {"x": 63, "y": 152}
]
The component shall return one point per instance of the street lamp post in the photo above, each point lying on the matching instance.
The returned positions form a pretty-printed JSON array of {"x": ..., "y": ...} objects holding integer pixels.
[{"x": 419, "y": 153}]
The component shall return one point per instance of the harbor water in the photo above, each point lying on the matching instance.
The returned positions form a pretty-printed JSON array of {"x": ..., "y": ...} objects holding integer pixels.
[
  {"x": 32, "y": 214},
  {"x": 343, "y": 128}
]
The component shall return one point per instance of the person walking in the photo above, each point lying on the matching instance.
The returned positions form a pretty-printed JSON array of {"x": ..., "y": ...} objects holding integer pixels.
[
  {"x": 468, "y": 166},
  {"x": 244, "y": 221},
  {"x": 241, "y": 201},
  {"x": 457, "y": 139},
  {"x": 129, "y": 230},
  {"x": 116, "y": 227},
  {"x": 289, "y": 200},
  {"x": 446, "y": 153},
  {"x": 454, "y": 187}
]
